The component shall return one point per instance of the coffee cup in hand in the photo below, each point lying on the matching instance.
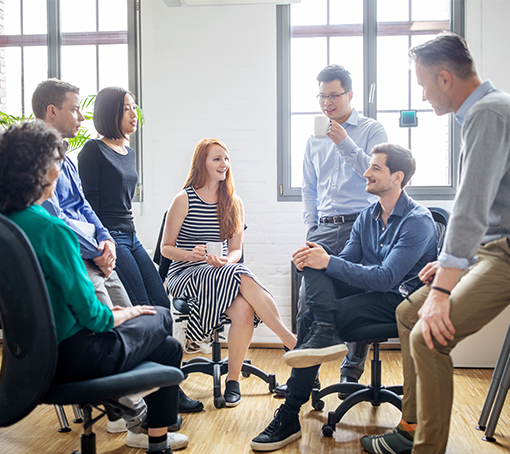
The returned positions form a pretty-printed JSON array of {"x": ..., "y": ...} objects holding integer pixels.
[
  {"x": 321, "y": 127},
  {"x": 214, "y": 248}
]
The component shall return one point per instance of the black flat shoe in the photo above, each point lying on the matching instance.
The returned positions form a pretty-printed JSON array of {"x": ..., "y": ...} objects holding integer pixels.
[
  {"x": 187, "y": 405},
  {"x": 232, "y": 393}
]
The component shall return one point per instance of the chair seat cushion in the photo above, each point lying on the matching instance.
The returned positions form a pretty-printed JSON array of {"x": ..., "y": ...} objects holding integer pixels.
[
  {"x": 146, "y": 375},
  {"x": 372, "y": 333}
]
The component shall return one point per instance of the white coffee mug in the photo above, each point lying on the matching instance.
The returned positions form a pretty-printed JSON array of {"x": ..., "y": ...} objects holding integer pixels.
[
  {"x": 215, "y": 248},
  {"x": 321, "y": 127}
]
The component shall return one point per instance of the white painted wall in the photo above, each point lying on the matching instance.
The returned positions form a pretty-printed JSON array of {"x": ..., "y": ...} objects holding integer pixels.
[{"x": 211, "y": 72}]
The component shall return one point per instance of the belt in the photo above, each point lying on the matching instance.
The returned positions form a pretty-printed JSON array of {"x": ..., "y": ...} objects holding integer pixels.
[{"x": 338, "y": 219}]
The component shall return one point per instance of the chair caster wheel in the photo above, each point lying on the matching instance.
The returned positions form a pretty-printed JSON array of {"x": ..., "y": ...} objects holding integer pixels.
[
  {"x": 219, "y": 402},
  {"x": 245, "y": 374},
  {"x": 327, "y": 430},
  {"x": 272, "y": 387},
  {"x": 318, "y": 405}
]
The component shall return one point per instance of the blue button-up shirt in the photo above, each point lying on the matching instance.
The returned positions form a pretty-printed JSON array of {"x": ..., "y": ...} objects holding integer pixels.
[
  {"x": 378, "y": 257},
  {"x": 333, "y": 182},
  {"x": 69, "y": 204}
]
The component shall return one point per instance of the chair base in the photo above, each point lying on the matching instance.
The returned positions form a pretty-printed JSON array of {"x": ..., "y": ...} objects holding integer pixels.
[
  {"x": 216, "y": 367},
  {"x": 375, "y": 393}
]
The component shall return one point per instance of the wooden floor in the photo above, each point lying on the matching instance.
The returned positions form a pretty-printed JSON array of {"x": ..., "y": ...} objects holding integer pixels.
[{"x": 229, "y": 431}]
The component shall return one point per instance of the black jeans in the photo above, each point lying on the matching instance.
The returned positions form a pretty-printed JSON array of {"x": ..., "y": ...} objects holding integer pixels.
[
  {"x": 350, "y": 308},
  {"x": 89, "y": 355}
]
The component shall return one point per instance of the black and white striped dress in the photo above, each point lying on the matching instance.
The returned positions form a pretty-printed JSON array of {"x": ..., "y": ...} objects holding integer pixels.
[{"x": 209, "y": 290}]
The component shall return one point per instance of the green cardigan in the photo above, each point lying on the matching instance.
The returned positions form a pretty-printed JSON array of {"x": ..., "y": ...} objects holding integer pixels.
[{"x": 72, "y": 294}]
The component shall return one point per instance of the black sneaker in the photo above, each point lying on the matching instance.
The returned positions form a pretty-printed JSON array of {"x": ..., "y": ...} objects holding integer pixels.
[
  {"x": 232, "y": 393},
  {"x": 346, "y": 379},
  {"x": 282, "y": 430},
  {"x": 322, "y": 345}
]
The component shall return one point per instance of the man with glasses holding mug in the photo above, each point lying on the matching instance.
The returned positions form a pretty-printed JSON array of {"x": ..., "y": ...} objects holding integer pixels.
[{"x": 333, "y": 190}]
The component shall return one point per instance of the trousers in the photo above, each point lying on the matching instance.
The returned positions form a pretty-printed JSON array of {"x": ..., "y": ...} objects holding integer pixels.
[
  {"x": 334, "y": 237},
  {"x": 351, "y": 308},
  {"x": 88, "y": 355},
  {"x": 480, "y": 295}
]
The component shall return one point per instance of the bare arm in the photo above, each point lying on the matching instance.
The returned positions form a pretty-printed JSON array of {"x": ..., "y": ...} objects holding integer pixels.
[{"x": 173, "y": 223}]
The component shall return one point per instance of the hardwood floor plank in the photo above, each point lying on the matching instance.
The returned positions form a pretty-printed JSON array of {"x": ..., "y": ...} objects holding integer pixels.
[{"x": 229, "y": 430}]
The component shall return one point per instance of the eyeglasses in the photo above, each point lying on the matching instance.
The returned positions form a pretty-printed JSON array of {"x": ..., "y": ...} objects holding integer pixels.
[
  {"x": 333, "y": 98},
  {"x": 406, "y": 288}
]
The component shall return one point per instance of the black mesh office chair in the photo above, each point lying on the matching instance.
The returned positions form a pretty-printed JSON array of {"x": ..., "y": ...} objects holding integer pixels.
[
  {"x": 375, "y": 392},
  {"x": 216, "y": 366},
  {"x": 30, "y": 348}
]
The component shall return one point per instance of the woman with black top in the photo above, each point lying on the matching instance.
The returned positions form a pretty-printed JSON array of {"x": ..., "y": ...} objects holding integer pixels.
[{"x": 108, "y": 173}]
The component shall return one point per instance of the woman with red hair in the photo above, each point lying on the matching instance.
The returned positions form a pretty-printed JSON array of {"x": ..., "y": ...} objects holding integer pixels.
[{"x": 217, "y": 287}]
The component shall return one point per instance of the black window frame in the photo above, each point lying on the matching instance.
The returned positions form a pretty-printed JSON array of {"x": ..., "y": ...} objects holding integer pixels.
[{"x": 369, "y": 30}]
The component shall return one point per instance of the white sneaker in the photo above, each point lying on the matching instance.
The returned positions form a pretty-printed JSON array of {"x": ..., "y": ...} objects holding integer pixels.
[
  {"x": 116, "y": 427},
  {"x": 141, "y": 440}
]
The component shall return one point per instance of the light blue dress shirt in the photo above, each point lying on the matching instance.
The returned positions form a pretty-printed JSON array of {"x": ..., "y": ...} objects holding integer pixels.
[
  {"x": 69, "y": 203},
  {"x": 333, "y": 182}
]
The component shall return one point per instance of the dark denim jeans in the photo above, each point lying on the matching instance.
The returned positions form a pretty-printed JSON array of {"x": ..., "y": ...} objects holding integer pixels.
[
  {"x": 350, "y": 307},
  {"x": 137, "y": 271}
]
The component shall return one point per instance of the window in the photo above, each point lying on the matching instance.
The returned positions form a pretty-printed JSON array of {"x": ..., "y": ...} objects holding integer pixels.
[
  {"x": 85, "y": 43},
  {"x": 371, "y": 39}
]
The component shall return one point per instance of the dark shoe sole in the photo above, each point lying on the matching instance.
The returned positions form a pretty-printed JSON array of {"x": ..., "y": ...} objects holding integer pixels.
[
  {"x": 276, "y": 444},
  {"x": 308, "y": 357},
  {"x": 194, "y": 409}
]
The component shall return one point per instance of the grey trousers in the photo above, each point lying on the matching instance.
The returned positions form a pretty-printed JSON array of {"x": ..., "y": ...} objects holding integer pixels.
[
  {"x": 109, "y": 291},
  {"x": 335, "y": 237},
  {"x": 479, "y": 296}
]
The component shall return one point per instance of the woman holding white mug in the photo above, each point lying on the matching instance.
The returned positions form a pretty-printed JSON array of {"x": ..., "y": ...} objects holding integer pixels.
[{"x": 216, "y": 285}]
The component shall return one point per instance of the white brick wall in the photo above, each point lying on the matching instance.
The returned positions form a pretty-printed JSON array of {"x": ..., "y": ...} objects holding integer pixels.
[{"x": 211, "y": 72}]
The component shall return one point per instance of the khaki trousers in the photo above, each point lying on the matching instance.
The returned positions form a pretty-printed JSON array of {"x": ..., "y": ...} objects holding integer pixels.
[{"x": 479, "y": 296}]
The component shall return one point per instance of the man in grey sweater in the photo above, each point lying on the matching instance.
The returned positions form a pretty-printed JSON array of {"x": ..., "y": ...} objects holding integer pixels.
[{"x": 469, "y": 284}]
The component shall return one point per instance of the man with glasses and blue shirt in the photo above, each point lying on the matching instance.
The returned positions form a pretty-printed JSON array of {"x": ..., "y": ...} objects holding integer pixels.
[
  {"x": 333, "y": 190},
  {"x": 390, "y": 242}
]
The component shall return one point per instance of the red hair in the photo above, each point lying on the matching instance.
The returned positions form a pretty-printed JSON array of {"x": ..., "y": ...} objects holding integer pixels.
[{"x": 229, "y": 206}]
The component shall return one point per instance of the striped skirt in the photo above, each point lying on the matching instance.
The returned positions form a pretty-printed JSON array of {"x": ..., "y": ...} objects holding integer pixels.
[{"x": 210, "y": 291}]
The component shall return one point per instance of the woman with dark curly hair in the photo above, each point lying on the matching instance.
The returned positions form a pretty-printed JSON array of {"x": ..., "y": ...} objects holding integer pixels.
[{"x": 94, "y": 341}]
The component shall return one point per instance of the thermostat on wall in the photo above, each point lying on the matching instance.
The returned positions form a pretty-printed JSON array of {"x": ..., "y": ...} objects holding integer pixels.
[{"x": 408, "y": 119}]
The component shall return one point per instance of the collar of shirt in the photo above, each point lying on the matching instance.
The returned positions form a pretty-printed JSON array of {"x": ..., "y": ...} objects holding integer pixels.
[
  {"x": 398, "y": 209},
  {"x": 480, "y": 91},
  {"x": 353, "y": 118}
]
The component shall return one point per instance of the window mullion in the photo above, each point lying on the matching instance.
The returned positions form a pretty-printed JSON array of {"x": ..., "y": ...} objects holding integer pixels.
[
  {"x": 369, "y": 58},
  {"x": 54, "y": 38}
]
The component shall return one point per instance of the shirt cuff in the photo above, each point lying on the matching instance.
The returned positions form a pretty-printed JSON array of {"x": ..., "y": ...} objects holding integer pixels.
[
  {"x": 450, "y": 261},
  {"x": 346, "y": 146}
]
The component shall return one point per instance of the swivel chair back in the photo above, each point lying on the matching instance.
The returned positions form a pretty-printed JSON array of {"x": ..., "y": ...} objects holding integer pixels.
[
  {"x": 30, "y": 348},
  {"x": 375, "y": 392}
]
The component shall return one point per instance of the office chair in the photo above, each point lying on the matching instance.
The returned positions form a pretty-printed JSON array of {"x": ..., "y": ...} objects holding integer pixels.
[
  {"x": 215, "y": 367},
  {"x": 496, "y": 395},
  {"x": 375, "y": 393},
  {"x": 30, "y": 348}
]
